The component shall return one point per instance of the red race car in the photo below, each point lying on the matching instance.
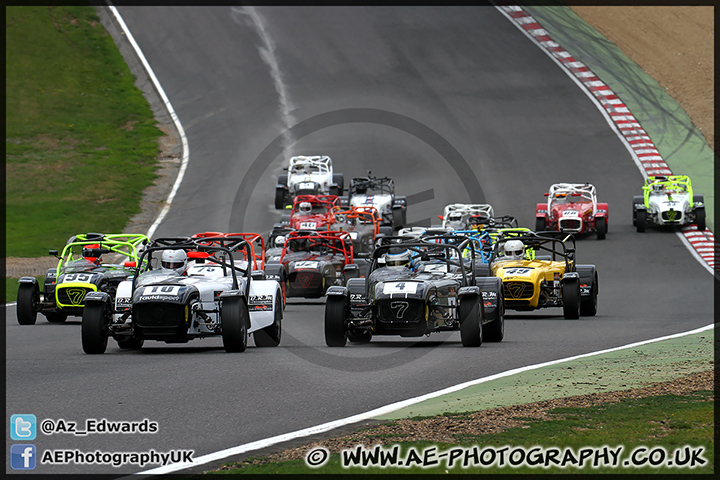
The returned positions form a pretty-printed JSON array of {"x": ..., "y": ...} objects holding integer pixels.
[
  {"x": 313, "y": 212},
  {"x": 572, "y": 208}
]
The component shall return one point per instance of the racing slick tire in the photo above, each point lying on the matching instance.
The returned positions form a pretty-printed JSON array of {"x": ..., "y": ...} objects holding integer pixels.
[
  {"x": 495, "y": 330},
  {"x": 588, "y": 307},
  {"x": 571, "y": 300},
  {"x": 93, "y": 330},
  {"x": 270, "y": 336},
  {"x": 398, "y": 218},
  {"x": 130, "y": 343},
  {"x": 362, "y": 337},
  {"x": 279, "y": 198},
  {"x": 335, "y": 332},
  {"x": 470, "y": 324},
  {"x": 234, "y": 322},
  {"x": 700, "y": 218},
  {"x": 601, "y": 227},
  {"x": 338, "y": 180},
  {"x": 56, "y": 317},
  {"x": 640, "y": 220},
  {"x": 540, "y": 224},
  {"x": 28, "y": 299}
]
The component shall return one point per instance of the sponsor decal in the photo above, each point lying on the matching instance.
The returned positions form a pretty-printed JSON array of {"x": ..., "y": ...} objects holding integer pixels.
[
  {"x": 400, "y": 287},
  {"x": 260, "y": 300},
  {"x": 306, "y": 264},
  {"x": 357, "y": 297},
  {"x": 75, "y": 295},
  {"x": 162, "y": 298},
  {"x": 488, "y": 294}
]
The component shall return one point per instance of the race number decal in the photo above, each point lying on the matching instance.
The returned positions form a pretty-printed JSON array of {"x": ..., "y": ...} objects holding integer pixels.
[
  {"x": 353, "y": 235},
  {"x": 306, "y": 264},
  {"x": 78, "y": 277},
  {"x": 162, "y": 290},
  {"x": 518, "y": 271},
  {"x": 207, "y": 271},
  {"x": 308, "y": 225},
  {"x": 305, "y": 186},
  {"x": 435, "y": 268},
  {"x": 400, "y": 287},
  {"x": 570, "y": 213}
]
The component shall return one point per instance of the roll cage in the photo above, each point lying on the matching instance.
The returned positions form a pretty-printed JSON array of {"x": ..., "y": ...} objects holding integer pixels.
[
  {"x": 668, "y": 184},
  {"x": 556, "y": 244},
  {"x": 363, "y": 215},
  {"x": 563, "y": 193},
  {"x": 310, "y": 165},
  {"x": 324, "y": 243},
  {"x": 257, "y": 244},
  {"x": 125, "y": 244},
  {"x": 375, "y": 185}
]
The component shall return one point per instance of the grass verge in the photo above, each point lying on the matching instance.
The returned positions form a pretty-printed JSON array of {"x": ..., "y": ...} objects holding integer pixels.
[
  {"x": 678, "y": 428},
  {"x": 81, "y": 141}
]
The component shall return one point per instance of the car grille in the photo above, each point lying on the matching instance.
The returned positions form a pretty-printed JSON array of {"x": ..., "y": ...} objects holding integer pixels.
[
  {"x": 401, "y": 310},
  {"x": 74, "y": 296},
  {"x": 570, "y": 224},
  {"x": 671, "y": 216},
  {"x": 305, "y": 280},
  {"x": 517, "y": 290},
  {"x": 153, "y": 319}
]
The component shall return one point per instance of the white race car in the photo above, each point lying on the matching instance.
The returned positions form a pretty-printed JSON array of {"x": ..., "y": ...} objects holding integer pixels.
[
  {"x": 668, "y": 200},
  {"x": 379, "y": 193},
  {"x": 307, "y": 176},
  {"x": 462, "y": 216},
  {"x": 186, "y": 288}
]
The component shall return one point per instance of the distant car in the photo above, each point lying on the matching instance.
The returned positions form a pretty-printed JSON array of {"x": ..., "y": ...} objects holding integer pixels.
[
  {"x": 311, "y": 262},
  {"x": 572, "y": 208},
  {"x": 312, "y": 212},
  {"x": 539, "y": 271},
  {"x": 379, "y": 193},
  {"x": 462, "y": 216},
  {"x": 415, "y": 288},
  {"x": 307, "y": 175},
  {"x": 363, "y": 225},
  {"x": 668, "y": 200},
  {"x": 188, "y": 288},
  {"x": 89, "y": 262}
]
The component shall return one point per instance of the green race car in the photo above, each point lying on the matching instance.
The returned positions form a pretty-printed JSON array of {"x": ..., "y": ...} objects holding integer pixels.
[{"x": 88, "y": 262}]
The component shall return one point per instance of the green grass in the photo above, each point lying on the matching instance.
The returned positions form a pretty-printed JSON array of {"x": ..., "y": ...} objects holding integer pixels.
[
  {"x": 81, "y": 140},
  {"x": 668, "y": 421}
]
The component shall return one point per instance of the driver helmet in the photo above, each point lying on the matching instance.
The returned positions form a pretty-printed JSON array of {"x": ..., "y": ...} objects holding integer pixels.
[
  {"x": 305, "y": 208},
  {"x": 514, "y": 250},
  {"x": 396, "y": 257},
  {"x": 657, "y": 187},
  {"x": 174, "y": 260},
  {"x": 87, "y": 252}
]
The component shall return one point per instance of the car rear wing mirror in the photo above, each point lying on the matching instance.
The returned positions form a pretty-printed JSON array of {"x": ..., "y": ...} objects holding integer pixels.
[{"x": 54, "y": 253}]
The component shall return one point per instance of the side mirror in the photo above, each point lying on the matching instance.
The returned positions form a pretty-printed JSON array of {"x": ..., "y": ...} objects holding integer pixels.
[
  {"x": 546, "y": 194},
  {"x": 54, "y": 253}
]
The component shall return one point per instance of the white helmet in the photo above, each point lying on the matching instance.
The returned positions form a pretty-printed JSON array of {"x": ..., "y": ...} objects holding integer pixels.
[
  {"x": 305, "y": 207},
  {"x": 397, "y": 259},
  {"x": 514, "y": 249},
  {"x": 174, "y": 260}
]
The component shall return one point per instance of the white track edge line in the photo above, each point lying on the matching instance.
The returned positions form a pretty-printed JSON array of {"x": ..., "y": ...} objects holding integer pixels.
[
  {"x": 266, "y": 442},
  {"x": 173, "y": 115}
]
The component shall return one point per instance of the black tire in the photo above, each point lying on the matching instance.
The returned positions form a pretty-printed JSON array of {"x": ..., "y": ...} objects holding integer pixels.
[
  {"x": 640, "y": 220},
  {"x": 601, "y": 227},
  {"x": 279, "y": 198},
  {"x": 339, "y": 180},
  {"x": 398, "y": 218},
  {"x": 56, "y": 317},
  {"x": 470, "y": 324},
  {"x": 130, "y": 343},
  {"x": 234, "y": 318},
  {"x": 94, "y": 332},
  {"x": 270, "y": 336},
  {"x": 588, "y": 307},
  {"x": 700, "y": 218},
  {"x": 282, "y": 180},
  {"x": 334, "y": 191},
  {"x": 540, "y": 224},
  {"x": 495, "y": 330},
  {"x": 571, "y": 300},
  {"x": 28, "y": 299},
  {"x": 335, "y": 331},
  {"x": 363, "y": 337}
]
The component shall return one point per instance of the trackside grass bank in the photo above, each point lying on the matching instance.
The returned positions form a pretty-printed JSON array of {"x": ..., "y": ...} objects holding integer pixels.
[
  {"x": 670, "y": 433},
  {"x": 81, "y": 140}
]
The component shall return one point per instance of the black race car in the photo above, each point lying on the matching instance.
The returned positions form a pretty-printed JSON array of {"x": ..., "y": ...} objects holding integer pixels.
[{"x": 414, "y": 288}]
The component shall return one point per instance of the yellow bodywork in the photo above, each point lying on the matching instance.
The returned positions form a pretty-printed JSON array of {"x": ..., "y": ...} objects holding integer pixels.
[{"x": 522, "y": 278}]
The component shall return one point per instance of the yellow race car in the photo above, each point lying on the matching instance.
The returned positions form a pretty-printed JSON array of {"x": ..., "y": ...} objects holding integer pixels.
[{"x": 539, "y": 271}]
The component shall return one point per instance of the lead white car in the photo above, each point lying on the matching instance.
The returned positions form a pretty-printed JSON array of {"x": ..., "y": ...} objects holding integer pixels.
[
  {"x": 307, "y": 175},
  {"x": 668, "y": 200},
  {"x": 220, "y": 294}
]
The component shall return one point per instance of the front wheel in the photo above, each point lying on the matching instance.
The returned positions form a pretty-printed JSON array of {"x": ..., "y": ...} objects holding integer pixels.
[
  {"x": 601, "y": 227},
  {"x": 640, "y": 220},
  {"x": 279, "y": 198},
  {"x": 700, "y": 218},
  {"x": 571, "y": 300},
  {"x": 540, "y": 224},
  {"x": 270, "y": 336},
  {"x": 28, "y": 299},
  {"x": 470, "y": 323},
  {"x": 234, "y": 321},
  {"x": 335, "y": 332},
  {"x": 94, "y": 332}
]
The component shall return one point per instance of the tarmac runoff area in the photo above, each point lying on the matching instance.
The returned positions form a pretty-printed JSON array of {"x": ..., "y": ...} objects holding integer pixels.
[{"x": 628, "y": 368}]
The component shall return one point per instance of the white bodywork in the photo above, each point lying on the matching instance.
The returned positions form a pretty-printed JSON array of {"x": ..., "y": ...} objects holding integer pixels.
[
  {"x": 457, "y": 215},
  {"x": 208, "y": 279},
  {"x": 305, "y": 173},
  {"x": 382, "y": 202},
  {"x": 669, "y": 208}
]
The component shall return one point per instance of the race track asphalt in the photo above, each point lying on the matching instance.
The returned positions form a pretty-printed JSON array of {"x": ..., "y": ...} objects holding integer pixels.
[{"x": 455, "y": 105}]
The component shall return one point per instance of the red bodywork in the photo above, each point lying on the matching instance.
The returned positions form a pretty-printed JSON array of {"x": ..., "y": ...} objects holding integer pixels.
[{"x": 322, "y": 215}]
